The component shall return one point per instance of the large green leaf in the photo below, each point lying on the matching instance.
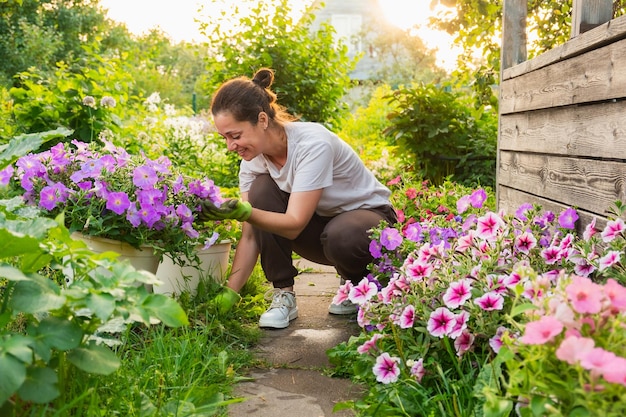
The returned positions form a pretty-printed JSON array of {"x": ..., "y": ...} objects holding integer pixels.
[
  {"x": 12, "y": 273},
  {"x": 13, "y": 244},
  {"x": 18, "y": 346},
  {"x": 95, "y": 359},
  {"x": 101, "y": 304},
  {"x": 13, "y": 374},
  {"x": 23, "y": 144},
  {"x": 36, "y": 295},
  {"x": 166, "y": 309},
  {"x": 40, "y": 386},
  {"x": 59, "y": 333}
]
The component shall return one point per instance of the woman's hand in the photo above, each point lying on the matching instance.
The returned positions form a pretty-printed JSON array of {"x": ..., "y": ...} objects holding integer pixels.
[{"x": 229, "y": 209}]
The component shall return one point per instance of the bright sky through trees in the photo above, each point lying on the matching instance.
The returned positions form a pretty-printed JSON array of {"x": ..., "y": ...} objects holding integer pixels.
[{"x": 176, "y": 18}]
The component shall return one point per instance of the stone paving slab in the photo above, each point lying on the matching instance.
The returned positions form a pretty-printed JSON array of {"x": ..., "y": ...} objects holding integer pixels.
[{"x": 295, "y": 381}]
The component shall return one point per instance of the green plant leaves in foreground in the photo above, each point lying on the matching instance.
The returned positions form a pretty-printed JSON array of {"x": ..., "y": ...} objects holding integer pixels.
[{"x": 95, "y": 359}]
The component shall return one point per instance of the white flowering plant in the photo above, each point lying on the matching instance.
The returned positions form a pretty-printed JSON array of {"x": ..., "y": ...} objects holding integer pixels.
[
  {"x": 105, "y": 191},
  {"x": 444, "y": 293}
]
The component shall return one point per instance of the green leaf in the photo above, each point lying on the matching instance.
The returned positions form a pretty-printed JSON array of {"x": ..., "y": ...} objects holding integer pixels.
[
  {"x": 40, "y": 386},
  {"x": 102, "y": 305},
  {"x": 166, "y": 309},
  {"x": 94, "y": 359},
  {"x": 517, "y": 310},
  {"x": 18, "y": 346},
  {"x": 11, "y": 273},
  {"x": 60, "y": 333},
  {"x": 23, "y": 144},
  {"x": 36, "y": 295},
  {"x": 13, "y": 244},
  {"x": 13, "y": 374}
]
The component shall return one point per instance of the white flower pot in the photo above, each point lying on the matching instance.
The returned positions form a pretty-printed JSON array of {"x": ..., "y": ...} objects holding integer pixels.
[
  {"x": 140, "y": 259},
  {"x": 177, "y": 278}
]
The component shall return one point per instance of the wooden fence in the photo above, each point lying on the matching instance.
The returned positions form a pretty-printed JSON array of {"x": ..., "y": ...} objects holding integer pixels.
[{"x": 562, "y": 133}]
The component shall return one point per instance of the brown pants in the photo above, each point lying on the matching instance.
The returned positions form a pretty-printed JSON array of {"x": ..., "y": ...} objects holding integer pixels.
[{"x": 341, "y": 241}]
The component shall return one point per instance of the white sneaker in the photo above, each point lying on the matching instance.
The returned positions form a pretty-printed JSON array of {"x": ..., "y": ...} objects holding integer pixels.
[
  {"x": 282, "y": 310},
  {"x": 345, "y": 308}
]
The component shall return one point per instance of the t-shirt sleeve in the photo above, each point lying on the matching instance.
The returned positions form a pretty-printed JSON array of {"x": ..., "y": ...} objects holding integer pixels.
[{"x": 314, "y": 169}]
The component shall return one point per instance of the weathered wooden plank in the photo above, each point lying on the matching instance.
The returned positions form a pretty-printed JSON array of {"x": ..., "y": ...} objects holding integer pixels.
[
  {"x": 581, "y": 130},
  {"x": 510, "y": 200},
  {"x": 513, "y": 49},
  {"x": 587, "y": 14},
  {"x": 595, "y": 76},
  {"x": 604, "y": 34},
  {"x": 592, "y": 185}
]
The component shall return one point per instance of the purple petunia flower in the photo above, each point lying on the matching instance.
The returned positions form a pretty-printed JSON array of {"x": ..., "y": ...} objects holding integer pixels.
[
  {"x": 145, "y": 177},
  {"x": 390, "y": 238},
  {"x": 567, "y": 219}
]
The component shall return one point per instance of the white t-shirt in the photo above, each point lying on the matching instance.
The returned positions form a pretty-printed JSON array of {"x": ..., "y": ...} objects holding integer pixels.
[{"x": 318, "y": 159}]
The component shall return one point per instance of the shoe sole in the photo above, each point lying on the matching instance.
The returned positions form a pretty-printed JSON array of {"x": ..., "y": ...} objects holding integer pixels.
[{"x": 282, "y": 325}]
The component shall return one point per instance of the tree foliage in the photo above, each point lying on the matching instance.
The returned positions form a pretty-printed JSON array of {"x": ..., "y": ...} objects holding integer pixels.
[
  {"x": 477, "y": 27},
  {"x": 311, "y": 68},
  {"x": 439, "y": 135}
]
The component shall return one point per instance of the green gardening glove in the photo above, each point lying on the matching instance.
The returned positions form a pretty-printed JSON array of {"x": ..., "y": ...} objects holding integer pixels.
[
  {"x": 229, "y": 209},
  {"x": 226, "y": 299}
]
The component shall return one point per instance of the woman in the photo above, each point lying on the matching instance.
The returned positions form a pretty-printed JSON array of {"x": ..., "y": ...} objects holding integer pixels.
[{"x": 303, "y": 190}]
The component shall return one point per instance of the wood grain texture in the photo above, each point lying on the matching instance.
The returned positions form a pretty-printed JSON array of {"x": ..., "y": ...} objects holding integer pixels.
[
  {"x": 593, "y": 185},
  {"x": 595, "y": 76},
  {"x": 597, "y": 131}
]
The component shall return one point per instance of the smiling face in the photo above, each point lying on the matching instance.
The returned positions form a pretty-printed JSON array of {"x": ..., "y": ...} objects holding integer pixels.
[{"x": 246, "y": 139}]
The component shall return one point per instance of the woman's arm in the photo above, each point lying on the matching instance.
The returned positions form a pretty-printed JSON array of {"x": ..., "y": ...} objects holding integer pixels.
[{"x": 290, "y": 224}]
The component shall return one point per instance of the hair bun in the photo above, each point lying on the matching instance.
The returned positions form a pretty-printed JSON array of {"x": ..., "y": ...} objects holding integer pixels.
[{"x": 264, "y": 77}]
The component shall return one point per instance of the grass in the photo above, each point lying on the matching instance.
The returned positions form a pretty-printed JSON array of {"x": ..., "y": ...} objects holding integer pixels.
[{"x": 188, "y": 371}]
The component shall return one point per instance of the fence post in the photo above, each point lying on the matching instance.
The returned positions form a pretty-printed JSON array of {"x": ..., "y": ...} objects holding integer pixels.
[
  {"x": 587, "y": 14},
  {"x": 513, "y": 33}
]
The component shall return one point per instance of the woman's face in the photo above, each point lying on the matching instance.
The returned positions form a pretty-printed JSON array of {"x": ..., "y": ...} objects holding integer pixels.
[{"x": 242, "y": 137}]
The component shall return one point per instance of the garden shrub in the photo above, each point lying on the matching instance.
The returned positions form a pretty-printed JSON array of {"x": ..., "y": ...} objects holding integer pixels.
[{"x": 439, "y": 134}]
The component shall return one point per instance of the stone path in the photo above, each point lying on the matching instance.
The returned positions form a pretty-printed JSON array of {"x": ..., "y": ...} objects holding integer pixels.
[{"x": 295, "y": 383}]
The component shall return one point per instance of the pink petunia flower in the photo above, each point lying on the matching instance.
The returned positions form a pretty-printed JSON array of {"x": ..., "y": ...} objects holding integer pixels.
[
  {"x": 596, "y": 358},
  {"x": 458, "y": 293},
  {"x": 407, "y": 317},
  {"x": 463, "y": 204},
  {"x": 489, "y": 225},
  {"x": 363, "y": 292},
  {"x": 585, "y": 296},
  {"x": 590, "y": 230},
  {"x": 342, "y": 293},
  {"x": 613, "y": 229},
  {"x": 616, "y": 293},
  {"x": 441, "y": 322},
  {"x": 573, "y": 348},
  {"x": 490, "y": 301},
  {"x": 369, "y": 344},
  {"x": 461, "y": 324},
  {"x": 541, "y": 331},
  {"x": 525, "y": 242},
  {"x": 615, "y": 371},
  {"x": 611, "y": 258},
  {"x": 417, "y": 368},
  {"x": 463, "y": 343},
  {"x": 496, "y": 341},
  {"x": 386, "y": 368}
]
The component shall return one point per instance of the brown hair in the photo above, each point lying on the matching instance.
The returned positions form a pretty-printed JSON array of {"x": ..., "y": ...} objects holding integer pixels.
[{"x": 245, "y": 98}]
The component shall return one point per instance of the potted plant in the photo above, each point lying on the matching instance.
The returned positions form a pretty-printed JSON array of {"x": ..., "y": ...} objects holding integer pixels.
[{"x": 132, "y": 200}]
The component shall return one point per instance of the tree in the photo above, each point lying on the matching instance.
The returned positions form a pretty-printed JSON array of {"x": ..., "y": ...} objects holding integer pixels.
[
  {"x": 477, "y": 25},
  {"x": 40, "y": 33},
  {"x": 311, "y": 70},
  {"x": 405, "y": 57}
]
